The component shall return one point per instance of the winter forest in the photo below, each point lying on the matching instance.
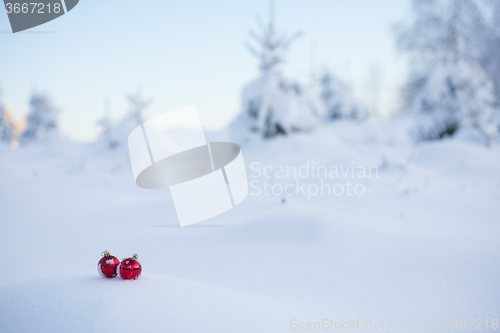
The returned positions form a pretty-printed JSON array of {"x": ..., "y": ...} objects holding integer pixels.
[
  {"x": 453, "y": 89},
  {"x": 402, "y": 226}
]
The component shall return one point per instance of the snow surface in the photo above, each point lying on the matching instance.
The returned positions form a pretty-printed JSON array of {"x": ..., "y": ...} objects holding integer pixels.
[{"x": 421, "y": 244}]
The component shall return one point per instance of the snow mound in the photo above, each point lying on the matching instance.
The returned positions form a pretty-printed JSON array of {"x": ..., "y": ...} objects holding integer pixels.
[{"x": 153, "y": 303}]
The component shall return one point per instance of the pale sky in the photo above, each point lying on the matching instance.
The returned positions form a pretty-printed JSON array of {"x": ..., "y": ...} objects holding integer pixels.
[{"x": 192, "y": 52}]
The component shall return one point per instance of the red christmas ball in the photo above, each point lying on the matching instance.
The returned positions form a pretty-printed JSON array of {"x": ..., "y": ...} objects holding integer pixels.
[
  {"x": 130, "y": 268},
  {"x": 108, "y": 265}
]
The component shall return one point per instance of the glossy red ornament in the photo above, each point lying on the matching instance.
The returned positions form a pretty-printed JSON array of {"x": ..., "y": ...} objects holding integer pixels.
[
  {"x": 130, "y": 268},
  {"x": 108, "y": 265}
]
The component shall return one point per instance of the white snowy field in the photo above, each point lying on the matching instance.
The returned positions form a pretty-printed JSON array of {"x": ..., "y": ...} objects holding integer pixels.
[{"x": 421, "y": 244}]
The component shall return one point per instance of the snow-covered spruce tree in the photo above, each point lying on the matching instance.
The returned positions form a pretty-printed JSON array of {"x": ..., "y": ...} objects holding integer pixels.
[
  {"x": 106, "y": 127},
  {"x": 486, "y": 38},
  {"x": 41, "y": 119},
  {"x": 448, "y": 90},
  {"x": 273, "y": 105},
  {"x": 117, "y": 137},
  {"x": 137, "y": 105},
  {"x": 340, "y": 103},
  {"x": 105, "y": 124},
  {"x": 6, "y": 123},
  {"x": 454, "y": 95}
]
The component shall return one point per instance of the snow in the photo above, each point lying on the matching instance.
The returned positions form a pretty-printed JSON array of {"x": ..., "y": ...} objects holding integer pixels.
[
  {"x": 94, "y": 304},
  {"x": 421, "y": 244}
]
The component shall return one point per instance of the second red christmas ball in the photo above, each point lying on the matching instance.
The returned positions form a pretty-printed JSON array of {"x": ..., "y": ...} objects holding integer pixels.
[{"x": 130, "y": 268}]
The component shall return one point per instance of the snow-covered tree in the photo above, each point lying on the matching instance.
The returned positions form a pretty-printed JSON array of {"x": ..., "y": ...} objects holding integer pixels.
[
  {"x": 448, "y": 90},
  {"x": 105, "y": 122},
  {"x": 454, "y": 94},
  {"x": 41, "y": 119},
  {"x": 340, "y": 103},
  {"x": 6, "y": 123},
  {"x": 116, "y": 137},
  {"x": 273, "y": 105},
  {"x": 137, "y": 105},
  {"x": 486, "y": 45},
  {"x": 106, "y": 126}
]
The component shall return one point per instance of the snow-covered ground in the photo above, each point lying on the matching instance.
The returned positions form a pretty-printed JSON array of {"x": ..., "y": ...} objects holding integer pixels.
[{"x": 421, "y": 244}]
